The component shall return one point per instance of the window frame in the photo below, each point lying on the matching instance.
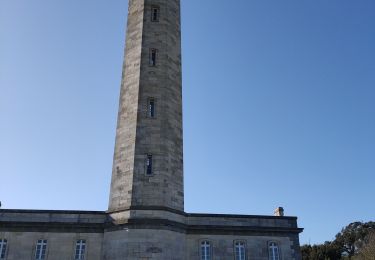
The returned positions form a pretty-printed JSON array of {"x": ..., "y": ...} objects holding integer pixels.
[
  {"x": 151, "y": 113},
  {"x": 42, "y": 243},
  {"x": 81, "y": 256},
  {"x": 153, "y": 57},
  {"x": 235, "y": 249},
  {"x": 210, "y": 249},
  {"x": 271, "y": 253},
  {"x": 3, "y": 248},
  {"x": 147, "y": 160},
  {"x": 153, "y": 19}
]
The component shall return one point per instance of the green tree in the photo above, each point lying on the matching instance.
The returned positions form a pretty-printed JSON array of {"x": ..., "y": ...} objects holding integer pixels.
[
  {"x": 367, "y": 252},
  {"x": 326, "y": 251},
  {"x": 306, "y": 252},
  {"x": 351, "y": 238},
  {"x": 356, "y": 239}
]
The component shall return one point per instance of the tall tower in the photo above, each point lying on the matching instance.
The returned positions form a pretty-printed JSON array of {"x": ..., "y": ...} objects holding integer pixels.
[
  {"x": 148, "y": 162},
  {"x": 146, "y": 218}
]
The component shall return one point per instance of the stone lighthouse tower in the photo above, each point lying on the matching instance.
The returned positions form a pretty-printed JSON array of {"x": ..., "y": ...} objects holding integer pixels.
[
  {"x": 147, "y": 175},
  {"x": 148, "y": 167}
]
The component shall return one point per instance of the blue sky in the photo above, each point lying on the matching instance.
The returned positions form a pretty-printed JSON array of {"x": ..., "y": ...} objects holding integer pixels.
[{"x": 278, "y": 106}]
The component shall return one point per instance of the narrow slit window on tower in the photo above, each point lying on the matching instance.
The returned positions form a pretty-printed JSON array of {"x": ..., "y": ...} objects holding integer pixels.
[
  {"x": 3, "y": 248},
  {"x": 155, "y": 12},
  {"x": 149, "y": 170},
  {"x": 153, "y": 56},
  {"x": 40, "y": 249},
  {"x": 80, "y": 249},
  {"x": 151, "y": 108}
]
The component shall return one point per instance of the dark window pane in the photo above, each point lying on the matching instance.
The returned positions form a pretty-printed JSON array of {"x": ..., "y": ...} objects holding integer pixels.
[
  {"x": 151, "y": 108},
  {"x": 155, "y": 14},
  {"x": 153, "y": 54},
  {"x": 149, "y": 164}
]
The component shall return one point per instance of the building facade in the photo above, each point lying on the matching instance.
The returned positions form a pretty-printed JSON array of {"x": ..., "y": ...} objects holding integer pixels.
[{"x": 145, "y": 217}]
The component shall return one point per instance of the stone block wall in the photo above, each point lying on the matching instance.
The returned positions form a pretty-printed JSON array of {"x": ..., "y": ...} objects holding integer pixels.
[
  {"x": 60, "y": 246},
  {"x": 137, "y": 134},
  {"x": 124, "y": 154},
  {"x": 256, "y": 246},
  {"x": 136, "y": 244},
  {"x": 241, "y": 220}
]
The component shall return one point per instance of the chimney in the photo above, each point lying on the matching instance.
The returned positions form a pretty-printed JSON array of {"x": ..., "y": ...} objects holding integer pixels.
[{"x": 279, "y": 212}]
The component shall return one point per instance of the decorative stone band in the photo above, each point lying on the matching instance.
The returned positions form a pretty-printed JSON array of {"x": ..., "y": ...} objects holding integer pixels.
[
  {"x": 99, "y": 222},
  {"x": 52, "y": 227},
  {"x": 149, "y": 208},
  {"x": 156, "y": 224},
  {"x": 204, "y": 229},
  {"x": 65, "y": 221},
  {"x": 199, "y": 214}
]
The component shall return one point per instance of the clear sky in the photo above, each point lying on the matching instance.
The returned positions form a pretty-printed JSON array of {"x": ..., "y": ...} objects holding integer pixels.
[{"x": 279, "y": 106}]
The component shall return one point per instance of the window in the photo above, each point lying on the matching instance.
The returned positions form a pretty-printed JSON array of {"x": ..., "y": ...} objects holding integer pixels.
[
  {"x": 3, "y": 248},
  {"x": 239, "y": 250},
  {"x": 273, "y": 251},
  {"x": 155, "y": 11},
  {"x": 40, "y": 250},
  {"x": 149, "y": 165},
  {"x": 151, "y": 108},
  {"x": 153, "y": 56},
  {"x": 205, "y": 250},
  {"x": 80, "y": 250}
]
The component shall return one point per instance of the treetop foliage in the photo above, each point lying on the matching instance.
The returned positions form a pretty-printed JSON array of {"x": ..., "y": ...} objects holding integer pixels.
[{"x": 356, "y": 241}]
